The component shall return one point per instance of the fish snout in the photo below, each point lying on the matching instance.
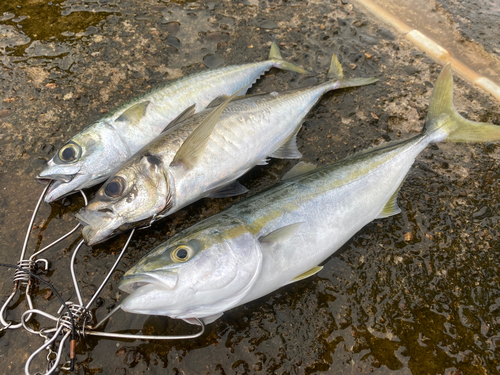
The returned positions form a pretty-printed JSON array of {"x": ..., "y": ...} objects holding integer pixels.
[
  {"x": 98, "y": 225},
  {"x": 162, "y": 279}
]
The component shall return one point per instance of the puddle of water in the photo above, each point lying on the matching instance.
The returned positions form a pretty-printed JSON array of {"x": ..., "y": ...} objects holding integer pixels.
[{"x": 35, "y": 20}]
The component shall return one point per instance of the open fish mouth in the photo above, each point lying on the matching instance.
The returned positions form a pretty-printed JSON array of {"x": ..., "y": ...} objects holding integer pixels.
[
  {"x": 97, "y": 226},
  {"x": 159, "y": 280}
]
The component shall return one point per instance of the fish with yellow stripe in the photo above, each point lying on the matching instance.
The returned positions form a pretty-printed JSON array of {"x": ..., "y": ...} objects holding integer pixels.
[{"x": 282, "y": 234}]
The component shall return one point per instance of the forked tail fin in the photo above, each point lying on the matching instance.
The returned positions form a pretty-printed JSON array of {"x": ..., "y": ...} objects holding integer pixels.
[
  {"x": 446, "y": 124},
  {"x": 275, "y": 56}
]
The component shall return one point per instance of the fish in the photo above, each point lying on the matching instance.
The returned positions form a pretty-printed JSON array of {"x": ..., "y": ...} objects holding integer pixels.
[
  {"x": 90, "y": 156},
  {"x": 284, "y": 233},
  {"x": 220, "y": 145}
]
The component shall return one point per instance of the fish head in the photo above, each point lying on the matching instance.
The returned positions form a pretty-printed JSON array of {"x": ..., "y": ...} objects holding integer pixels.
[
  {"x": 200, "y": 272},
  {"x": 130, "y": 198},
  {"x": 84, "y": 161}
]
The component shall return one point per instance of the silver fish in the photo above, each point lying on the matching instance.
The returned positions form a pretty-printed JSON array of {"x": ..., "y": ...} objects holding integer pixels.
[
  {"x": 227, "y": 142},
  {"x": 282, "y": 234},
  {"x": 91, "y": 155}
]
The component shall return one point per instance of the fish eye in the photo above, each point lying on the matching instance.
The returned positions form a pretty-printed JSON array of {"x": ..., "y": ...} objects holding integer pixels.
[
  {"x": 115, "y": 187},
  {"x": 69, "y": 152},
  {"x": 181, "y": 253}
]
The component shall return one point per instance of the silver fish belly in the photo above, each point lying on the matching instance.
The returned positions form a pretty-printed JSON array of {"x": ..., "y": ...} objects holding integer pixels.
[
  {"x": 282, "y": 234},
  {"x": 91, "y": 155},
  {"x": 156, "y": 183}
]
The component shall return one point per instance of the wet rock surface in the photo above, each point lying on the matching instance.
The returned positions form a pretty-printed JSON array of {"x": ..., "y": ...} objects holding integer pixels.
[{"x": 415, "y": 293}]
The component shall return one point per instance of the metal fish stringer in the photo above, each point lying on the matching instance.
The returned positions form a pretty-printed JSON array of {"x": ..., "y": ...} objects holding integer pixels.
[
  {"x": 31, "y": 265},
  {"x": 79, "y": 319}
]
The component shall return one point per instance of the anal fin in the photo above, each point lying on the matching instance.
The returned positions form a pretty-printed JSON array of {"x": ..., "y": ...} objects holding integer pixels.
[
  {"x": 391, "y": 208},
  {"x": 288, "y": 150},
  {"x": 305, "y": 275}
]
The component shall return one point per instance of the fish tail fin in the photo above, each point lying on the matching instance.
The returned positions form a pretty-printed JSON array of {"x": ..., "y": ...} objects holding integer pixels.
[
  {"x": 275, "y": 56},
  {"x": 336, "y": 78},
  {"x": 446, "y": 124}
]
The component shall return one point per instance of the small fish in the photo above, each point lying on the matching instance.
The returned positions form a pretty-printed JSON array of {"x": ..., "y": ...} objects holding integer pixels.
[
  {"x": 220, "y": 146},
  {"x": 91, "y": 155},
  {"x": 282, "y": 234}
]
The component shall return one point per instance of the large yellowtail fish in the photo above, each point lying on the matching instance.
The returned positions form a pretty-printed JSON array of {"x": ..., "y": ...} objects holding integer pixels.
[
  {"x": 282, "y": 234},
  {"x": 90, "y": 156},
  {"x": 227, "y": 142}
]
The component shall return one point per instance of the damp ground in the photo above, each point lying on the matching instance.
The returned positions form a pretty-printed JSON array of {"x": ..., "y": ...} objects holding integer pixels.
[{"x": 415, "y": 293}]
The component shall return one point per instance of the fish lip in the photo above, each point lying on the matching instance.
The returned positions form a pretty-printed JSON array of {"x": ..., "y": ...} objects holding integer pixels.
[
  {"x": 106, "y": 226},
  {"x": 134, "y": 282}
]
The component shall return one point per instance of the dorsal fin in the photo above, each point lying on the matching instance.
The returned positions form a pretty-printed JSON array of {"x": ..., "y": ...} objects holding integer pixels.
[
  {"x": 282, "y": 234},
  {"x": 305, "y": 275},
  {"x": 135, "y": 113},
  {"x": 298, "y": 169},
  {"x": 194, "y": 146},
  {"x": 335, "y": 71},
  {"x": 188, "y": 112}
]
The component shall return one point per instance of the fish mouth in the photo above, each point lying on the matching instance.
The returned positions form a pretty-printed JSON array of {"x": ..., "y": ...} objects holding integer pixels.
[
  {"x": 63, "y": 185},
  {"x": 97, "y": 226},
  {"x": 155, "y": 280}
]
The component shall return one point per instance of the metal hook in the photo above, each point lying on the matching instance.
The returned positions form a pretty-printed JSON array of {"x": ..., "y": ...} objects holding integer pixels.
[
  {"x": 80, "y": 315},
  {"x": 23, "y": 278},
  {"x": 92, "y": 332}
]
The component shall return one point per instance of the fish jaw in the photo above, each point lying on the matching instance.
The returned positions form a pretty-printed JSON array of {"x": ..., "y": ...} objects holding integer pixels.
[
  {"x": 98, "y": 226},
  {"x": 66, "y": 180}
]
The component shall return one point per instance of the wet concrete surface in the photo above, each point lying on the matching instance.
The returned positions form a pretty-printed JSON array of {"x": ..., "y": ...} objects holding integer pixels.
[
  {"x": 415, "y": 293},
  {"x": 466, "y": 29}
]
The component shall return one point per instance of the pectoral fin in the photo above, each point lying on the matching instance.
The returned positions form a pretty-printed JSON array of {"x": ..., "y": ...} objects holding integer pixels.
[
  {"x": 188, "y": 112},
  {"x": 135, "y": 113},
  {"x": 281, "y": 235},
  {"x": 194, "y": 146},
  {"x": 298, "y": 169},
  {"x": 230, "y": 190},
  {"x": 288, "y": 150},
  {"x": 305, "y": 275}
]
